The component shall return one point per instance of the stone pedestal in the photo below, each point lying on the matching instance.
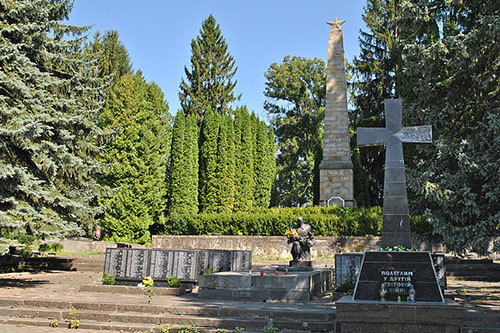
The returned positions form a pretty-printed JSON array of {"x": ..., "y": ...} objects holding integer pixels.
[
  {"x": 301, "y": 263},
  {"x": 377, "y": 316}
]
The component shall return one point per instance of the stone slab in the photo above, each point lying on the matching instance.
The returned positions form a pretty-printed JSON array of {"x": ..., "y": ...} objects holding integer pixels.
[
  {"x": 271, "y": 286},
  {"x": 398, "y": 272},
  {"x": 375, "y": 316}
]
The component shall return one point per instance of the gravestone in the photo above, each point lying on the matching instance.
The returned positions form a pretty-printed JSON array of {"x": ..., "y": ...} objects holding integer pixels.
[
  {"x": 396, "y": 222},
  {"x": 347, "y": 267},
  {"x": 398, "y": 272}
]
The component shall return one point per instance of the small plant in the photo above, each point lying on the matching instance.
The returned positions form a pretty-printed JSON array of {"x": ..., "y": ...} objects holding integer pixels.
[
  {"x": 239, "y": 330},
  {"x": 54, "y": 323},
  {"x": 43, "y": 247},
  {"x": 108, "y": 279},
  {"x": 398, "y": 248},
  {"x": 57, "y": 247},
  {"x": 269, "y": 328},
  {"x": 189, "y": 329},
  {"x": 221, "y": 330},
  {"x": 74, "y": 322},
  {"x": 209, "y": 270},
  {"x": 148, "y": 285},
  {"x": 173, "y": 282},
  {"x": 165, "y": 328},
  {"x": 26, "y": 252},
  {"x": 346, "y": 286}
]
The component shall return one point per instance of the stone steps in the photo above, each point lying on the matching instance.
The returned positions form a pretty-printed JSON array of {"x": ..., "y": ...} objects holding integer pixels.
[
  {"x": 472, "y": 269},
  {"x": 132, "y": 317}
]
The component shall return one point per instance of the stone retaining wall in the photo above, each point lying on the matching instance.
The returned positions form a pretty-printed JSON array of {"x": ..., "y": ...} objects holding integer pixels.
[{"x": 275, "y": 247}]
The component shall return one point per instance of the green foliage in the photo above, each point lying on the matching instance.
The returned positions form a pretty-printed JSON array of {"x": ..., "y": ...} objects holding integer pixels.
[
  {"x": 49, "y": 100},
  {"x": 44, "y": 247},
  {"x": 225, "y": 168},
  {"x": 138, "y": 112},
  {"x": 173, "y": 282},
  {"x": 295, "y": 91},
  {"x": 26, "y": 252},
  {"x": 189, "y": 329},
  {"x": 209, "y": 270},
  {"x": 239, "y": 329},
  {"x": 108, "y": 279},
  {"x": 208, "y": 182},
  {"x": 324, "y": 221},
  {"x": 244, "y": 160},
  {"x": 452, "y": 79},
  {"x": 183, "y": 167},
  {"x": 264, "y": 164},
  {"x": 347, "y": 286},
  {"x": 165, "y": 328},
  {"x": 113, "y": 58},
  {"x": 74, "y": 322},
  {"x": 373, "y": 77},
  {"x": 56, "y": 247},
  {"x": 397, "y": 248},
  {"x": 54, "y": 323},
  {"x": 209, "y": 82},
  {"x": 269, "y": 328}
]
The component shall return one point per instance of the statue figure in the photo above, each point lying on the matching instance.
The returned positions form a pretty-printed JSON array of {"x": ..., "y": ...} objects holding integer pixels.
[{"x": 301, "y": 240}]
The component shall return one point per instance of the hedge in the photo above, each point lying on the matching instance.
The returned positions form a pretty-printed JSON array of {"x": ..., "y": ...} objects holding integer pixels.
[{"x": 324, "y": 221}]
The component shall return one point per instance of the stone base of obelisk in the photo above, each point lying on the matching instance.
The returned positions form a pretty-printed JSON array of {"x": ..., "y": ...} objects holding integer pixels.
[{"x": 336, "y": 181}]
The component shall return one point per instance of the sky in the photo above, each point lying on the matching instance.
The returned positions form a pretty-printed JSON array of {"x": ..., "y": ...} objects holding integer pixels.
[{"x": 158, "y": 34}]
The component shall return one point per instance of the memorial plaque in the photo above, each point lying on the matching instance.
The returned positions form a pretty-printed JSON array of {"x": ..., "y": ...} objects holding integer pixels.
[
  {"x": 115, "y": 262},
  {"x": 162, "y": 264},
  {"x": 241, "y": 260},
  {"x": 138, "y": 263},
  {"x": 347, "y": 267},
  {"x": 185, "y": 265},
  {"x": 399, "y": 270}
]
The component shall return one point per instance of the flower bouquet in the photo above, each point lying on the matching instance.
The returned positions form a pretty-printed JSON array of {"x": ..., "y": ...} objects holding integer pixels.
[{"x": 292, "y": 233}]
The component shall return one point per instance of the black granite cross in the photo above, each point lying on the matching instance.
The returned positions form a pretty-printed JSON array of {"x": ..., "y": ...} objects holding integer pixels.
[{"x": 396, "y": 223}]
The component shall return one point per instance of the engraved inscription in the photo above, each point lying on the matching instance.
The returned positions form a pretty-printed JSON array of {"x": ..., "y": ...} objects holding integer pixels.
[{"x": 397, "y": 282}]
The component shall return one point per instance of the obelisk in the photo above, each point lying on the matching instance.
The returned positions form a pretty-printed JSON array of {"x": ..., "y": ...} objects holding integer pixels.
[{"x": 336, "y": 169}]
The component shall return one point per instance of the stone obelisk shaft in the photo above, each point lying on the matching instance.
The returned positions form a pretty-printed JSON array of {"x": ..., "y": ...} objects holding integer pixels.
[{"x": 336, "y": 169}]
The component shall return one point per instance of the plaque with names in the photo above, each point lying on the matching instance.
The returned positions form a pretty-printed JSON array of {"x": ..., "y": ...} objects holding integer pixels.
[
  {"x": 397, "y": 282},
  {"x": 185, "y": 265},
  {"x": 220, "y": 260},
  {"x": 137, "y": 263},
  {"x": 241, "y": 260},
  {"x": 162, "y": 264},
  {"x": 347, "y": 267},
  {"x": 115, "y": 262}
]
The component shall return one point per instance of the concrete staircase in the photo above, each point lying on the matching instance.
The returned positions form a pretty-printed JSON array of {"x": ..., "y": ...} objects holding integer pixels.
[
  {"x": 472, "y": 269},
  {"x": 143, "y": 317}
]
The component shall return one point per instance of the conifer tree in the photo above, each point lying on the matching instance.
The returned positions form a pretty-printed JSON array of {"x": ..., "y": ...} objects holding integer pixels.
[
  {"x": 177, "y": 167},
  {"x": 208, "y": 182},
  {"x": 244, "y": 161},
  {"x": 452, "y": 79},
  {"x": 138, "y": 113},
  {"x": 49, "y": 141},
  {"x": 209, "y": 82},
  {"x": 225, "y": 166},
  {"x": 374, "y": 77},
  {"x": 113, "y": 57},
  {"x": 191, "y": 165},
  {"x": 264, "y": 171}
]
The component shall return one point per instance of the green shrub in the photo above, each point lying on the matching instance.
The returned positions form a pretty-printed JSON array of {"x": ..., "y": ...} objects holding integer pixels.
[
  {"x": 346, "y": 286},
  {"x": 43, "y": 247},
  {"x": 56, "y": 247},
  {"x": 108, "y": 279},
  {"x": 325, "y": 221},
  {"x": 173, "y": 282}
]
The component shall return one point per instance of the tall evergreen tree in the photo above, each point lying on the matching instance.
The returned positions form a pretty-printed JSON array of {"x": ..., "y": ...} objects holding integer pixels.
[
  {"x": 264, "y": 170},
  {"x": 296, "y": 103},
  {"x": 208, "y": 182},
  {"x": 225, "y": 166},
  {"x": 49, "y": 100},
  {"x": 191, "y": 165},
  {"x": 374, "y": 77},
  {"x": 209, "y": 82},
  {"x": 244, "y": 160},
  {"x": 139, "y": 114},
  {"x": 177, "y": 176},
  {"x": 113, "y": 57},
  {"x": 452, "y": 79}
]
